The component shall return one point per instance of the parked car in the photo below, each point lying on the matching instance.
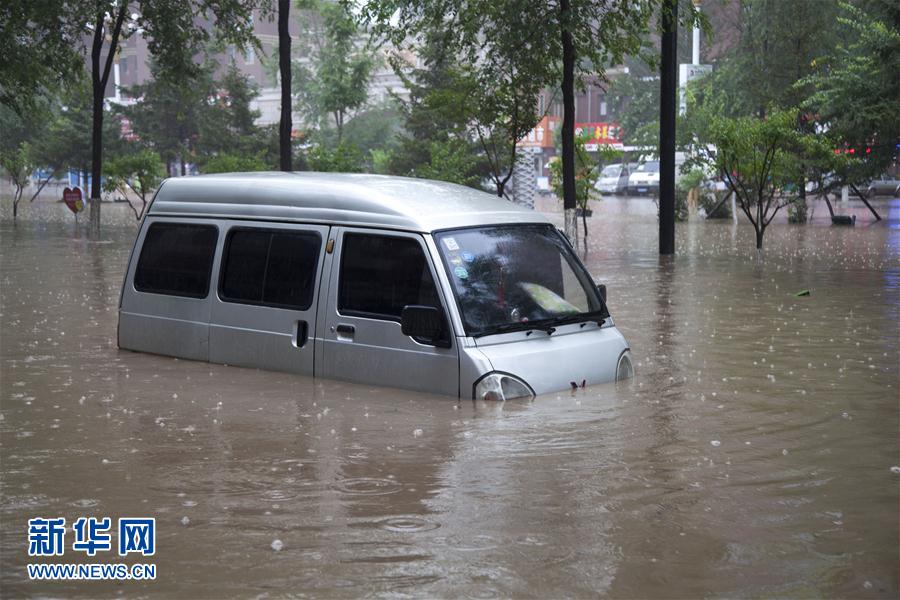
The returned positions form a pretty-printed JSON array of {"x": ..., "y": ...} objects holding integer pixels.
[
  {"x": 886, "y": 185},
  {"x": 614, "y": 179},
  {"x": 379, "y": 280},
  {"x": 644, "y": 179}
]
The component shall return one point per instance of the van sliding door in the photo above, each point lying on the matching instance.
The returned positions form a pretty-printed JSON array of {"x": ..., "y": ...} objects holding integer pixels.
[{"x": 264, "y": 313}]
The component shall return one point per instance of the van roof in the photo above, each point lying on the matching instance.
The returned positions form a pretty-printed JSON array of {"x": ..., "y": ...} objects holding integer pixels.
[{"x": 342, "y": 198}]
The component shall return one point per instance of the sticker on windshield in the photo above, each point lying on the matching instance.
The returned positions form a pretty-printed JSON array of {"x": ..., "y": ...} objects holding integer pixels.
[
  {"x": 451, "y": 243},
  {"x": 468, "y": 257},
  {"x": 455, "y": 261},
  {"x": 461, "y": 272}
]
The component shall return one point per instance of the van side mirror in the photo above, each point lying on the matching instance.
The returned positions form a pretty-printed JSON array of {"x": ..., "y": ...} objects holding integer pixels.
[
  {"x": 601, "y": 289},
  {"x": 422, "y": 322}
]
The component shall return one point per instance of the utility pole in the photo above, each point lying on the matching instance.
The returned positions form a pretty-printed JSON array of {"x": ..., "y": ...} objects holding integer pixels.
[{"x": 667, "y": 128}]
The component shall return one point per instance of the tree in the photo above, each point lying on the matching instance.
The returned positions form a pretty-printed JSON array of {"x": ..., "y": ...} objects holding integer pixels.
[
  {"x": 285, "y": 124},
  {"x": 139, "y": 172},
  {"x": 332, "y": 83},
  {"x": 586, "y": 175},
  {"x": 435, "y": 112},
  {"x": 774, "y": 53},
  {"x": 558, "y": 43},
  {"x": 175, "y": 32},
  {"x": 168, "y": 114},
  {"x": 37, "y": 50},
  {"x": 231, "y": 163},
  {"x": 18, "y": 165},
  {"x": 760, "y": 161},
  {"x": 451, "y": 160},
  {"x": 856, "y": 91},
  {"x": 226, "y": 121}
]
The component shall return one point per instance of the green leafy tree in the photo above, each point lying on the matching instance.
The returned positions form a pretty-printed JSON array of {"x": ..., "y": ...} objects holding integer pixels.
[
  {"x": 556, "y": 42},
  {"x": 37, "y": 50},
  {"x": 331, "y": 84},
  {"x": 760, "y": 161},
  {"x": 18, "y": 165},
  {"x": 857, "y": 90},
  {"x": 168, "y": 114},
  {"x": 226, "y": 122},
  {"x": 175, "y": 32},
  {"x": 451, "y": 160},
  {"x": 376, "y": 130},
  {"x": 435, "y": 111},
  {"x": 341, "y": 158},
  {"x": 231, "y": 163},
  {"x": 586, "y": 175},
  {"x": 139, "y": 172}
]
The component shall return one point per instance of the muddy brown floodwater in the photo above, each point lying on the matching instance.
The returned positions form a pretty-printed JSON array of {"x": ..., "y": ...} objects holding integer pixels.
[{"x": 754, "y": 454}]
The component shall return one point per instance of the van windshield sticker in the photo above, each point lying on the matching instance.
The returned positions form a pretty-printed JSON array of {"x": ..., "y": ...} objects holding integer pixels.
[
  {"x": 468, "y": 257},
  {"x": 455, "y": 261},
  {"x": 461, "y": 272},
  {"x": 451, "y": 243}
]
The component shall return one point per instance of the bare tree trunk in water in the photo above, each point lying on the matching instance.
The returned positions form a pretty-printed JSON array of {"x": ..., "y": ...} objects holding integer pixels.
[
  {"x": 568, "y": 124},
  {"x": 284, "y": 67}
]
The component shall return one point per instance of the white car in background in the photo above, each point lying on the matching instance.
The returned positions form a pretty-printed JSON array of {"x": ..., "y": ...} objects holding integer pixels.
[
  {"x": 644, "y": 179},
  {"x": 614, "y": 179}
]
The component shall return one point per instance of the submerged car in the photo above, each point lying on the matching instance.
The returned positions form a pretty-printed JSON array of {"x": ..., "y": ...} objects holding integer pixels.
[
  {"x": 379, "y": 280},
  {"x": 644, "y": 179},
  {"x": 613, "y": 179}
]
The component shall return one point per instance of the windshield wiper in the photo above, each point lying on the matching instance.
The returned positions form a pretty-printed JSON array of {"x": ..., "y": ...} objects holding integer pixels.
[
  {"x": 505, "y": 328},
  {"x": 596, "y": 316},
  {"x": 546, "y": 325}
]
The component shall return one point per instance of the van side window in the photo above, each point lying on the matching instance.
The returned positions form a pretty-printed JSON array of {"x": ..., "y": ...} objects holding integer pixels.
[
  {"x": 382, "y": 274},
  {"x": 270, "y": 267},
  {"x": 176, "y": 259}
]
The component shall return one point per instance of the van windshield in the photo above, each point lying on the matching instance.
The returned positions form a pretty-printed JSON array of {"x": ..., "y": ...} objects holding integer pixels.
[
  {"x": 516, "y": 278},
  {"x": 611, "y": 171}
]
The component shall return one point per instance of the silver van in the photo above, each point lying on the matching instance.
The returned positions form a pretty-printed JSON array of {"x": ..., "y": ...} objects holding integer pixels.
[{"x": 380, "y": 280}]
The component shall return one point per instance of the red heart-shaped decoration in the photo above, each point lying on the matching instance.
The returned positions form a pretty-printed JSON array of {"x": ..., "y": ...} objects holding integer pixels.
[{"x": 72, "y": 198}]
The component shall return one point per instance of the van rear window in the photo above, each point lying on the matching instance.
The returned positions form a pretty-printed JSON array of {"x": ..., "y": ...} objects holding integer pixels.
[
  {"x": 176, "y": 259},
  {"x": 270, "y": 267}
]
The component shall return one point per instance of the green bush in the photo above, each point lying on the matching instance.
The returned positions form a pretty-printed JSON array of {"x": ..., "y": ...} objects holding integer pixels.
[
  {"x": 342, "y": 158},
  {"x": 231, "y": 163}
]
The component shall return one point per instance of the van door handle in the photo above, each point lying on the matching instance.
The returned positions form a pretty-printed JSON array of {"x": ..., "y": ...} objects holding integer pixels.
[{"x": 345, "y": 332}]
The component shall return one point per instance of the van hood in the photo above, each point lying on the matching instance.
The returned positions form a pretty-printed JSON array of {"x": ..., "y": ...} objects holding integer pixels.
[{"x": 548, "y": 363}]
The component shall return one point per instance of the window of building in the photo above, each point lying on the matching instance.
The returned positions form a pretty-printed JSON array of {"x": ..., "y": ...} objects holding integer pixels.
[
  {"x": 270, "y": 267},
  {"x": 176, "y": 259},
  {"x": 382, "y": 274},
  {"x": 603, "y": 108}
]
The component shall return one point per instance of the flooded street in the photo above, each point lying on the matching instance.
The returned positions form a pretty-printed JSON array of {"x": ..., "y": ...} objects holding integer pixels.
[{"x": 755, "y": 453}]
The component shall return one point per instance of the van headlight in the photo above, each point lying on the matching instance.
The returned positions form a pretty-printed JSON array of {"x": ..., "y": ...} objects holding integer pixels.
[
  {"x": 624, "y": 370},
  {"x": 501, "y": 386}
]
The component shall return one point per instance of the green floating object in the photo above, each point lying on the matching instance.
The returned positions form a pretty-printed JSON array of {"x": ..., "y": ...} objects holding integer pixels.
[{"x": 803, "y": 293}]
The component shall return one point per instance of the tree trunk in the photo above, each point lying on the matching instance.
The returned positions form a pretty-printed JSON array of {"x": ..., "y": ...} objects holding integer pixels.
[
  {"x": 16, "y": 199},
  {"x": 667, "y": 100},
  {"x": 284, "y": 66},
  {"x": 96, "y": 158},
  {"x": 99, "y": 79},
  {"x": 568, "y": 124},
  {"x": 759, "y": 237}
]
